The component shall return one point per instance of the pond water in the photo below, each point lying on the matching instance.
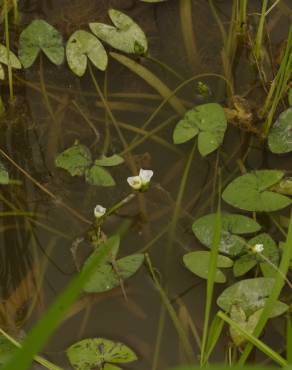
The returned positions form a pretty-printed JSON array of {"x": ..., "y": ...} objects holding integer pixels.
[{"x": 50, "y": 209}]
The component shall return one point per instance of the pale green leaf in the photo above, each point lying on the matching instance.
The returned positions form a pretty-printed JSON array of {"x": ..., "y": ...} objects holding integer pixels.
[
  {"x": 40, "y": 36},
  {"x": 126, "y": 36},
  {"x": 184, "y": 131},
  {"x": 280, "y": 135},
  {"x": 233, "y": 225},
  {"x": 98, "y": 176},
  {"x": 251, "y": 192},
  {"x": 198, "y": 263},
  {"x": 82, "y": 45},
  {"x": 75, "y": 159},
  {"x": 113, "y": 160},
  {"x": 14, "y": 61}
]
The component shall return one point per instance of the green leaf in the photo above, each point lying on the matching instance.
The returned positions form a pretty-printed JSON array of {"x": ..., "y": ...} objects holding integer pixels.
[
  {"x": 251, "y": 192},
  {"x": 4, "y": 175},
  {"x": 14, "y": 61},
  {"x": 82, "y": 45},
  {"x": 89, "y": 354},
  {"x": 7, "y": 349},
  {"x": 250, "y": 295},
  {"x": 75, "y": 159},
  {"x": 40, "y": 36},
  {"x": 208, "y": 121},
  {"x": 109, "y": 276},
  {"x": 249, "y": 260},
  {"x": 198, "y": 263},
  {"x": 97, "y": 175},
  {"x": 232, "y": 226},
  {"x": 280, "y": 135},
  {"x": 126, "y": 36},
  {"x": 113, "y": 160}
]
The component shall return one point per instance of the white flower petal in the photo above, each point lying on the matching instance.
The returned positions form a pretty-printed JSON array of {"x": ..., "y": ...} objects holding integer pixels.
[
  {"x": 99, "y": 211},
  {"x": 258, "y": 248},
  {"x": 145, "y": 176},
  {"x": 135, "y": 182}
]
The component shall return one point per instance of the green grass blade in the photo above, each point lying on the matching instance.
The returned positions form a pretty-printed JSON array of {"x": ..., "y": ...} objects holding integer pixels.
[{"x": 40, "y": 334}]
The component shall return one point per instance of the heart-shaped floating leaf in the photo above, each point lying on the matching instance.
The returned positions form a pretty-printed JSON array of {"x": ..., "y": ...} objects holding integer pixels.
[
  {"x": 250, "y": 295},
  {"x": 75, "y": 159},
  {"x": 82, "y": 45},
  {"x": 40, "y": 36},
  {"x": 126, "y": 36},
  {"x": 4, "y": 175},
  {"x": 98, "y": 176},
  {"x": 14, "y": 61},
  {"x": 198, "y": 263},
  {"x": 280, "y": 135},
  {"x": 98, "y": 353},
  {"x": 270, "y": 253},
  {"x": 232, "y": 226},
  {"x": 109, "y": 275},
  {"x": 251, "y": 192},
  {"x": 113, "y": 160},
  {"x": 208, "y": 121}
]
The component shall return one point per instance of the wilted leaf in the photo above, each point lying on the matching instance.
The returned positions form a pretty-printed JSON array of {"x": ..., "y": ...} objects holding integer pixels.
[
  {"x": 82, "y": 45},
  {"x": 251, "y": 192},
  {"x": 89, "y": 354},
  {"x": 198, "y": 263},
  {"x": 126, "y": 36},
  {"x": 232, "y": 226},
  {"x": 97, "y": 175},
  {"x": 280, "y": 135},
  {"x": 250, "y": 295},
  {"x": 208, "y": 121},
  {"x": 75, "y": 159},
  {"x": 40, "y": 35},
  {"x": 113, "y": 160}
]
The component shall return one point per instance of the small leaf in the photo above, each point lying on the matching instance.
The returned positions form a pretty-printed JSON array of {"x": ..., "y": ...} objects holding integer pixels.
[
  {"x": 4, "y": 175},
  {"x": 251, "y": 192},
  {"x": 82, "y": 45},
  {"x": 280, "y": 135},
  {"x": 97, "y": 175},
  {"x": 250, "y": 295},
  {"x": 75, "y": 159},
  {"x": 232, "y": 226},
  {"x": 113, "y": 160},
  {"x": 14, "y": 61},
  {"x": 89, "y": 354},
  {"x": 208, "y": 121},
  {"x": 40, "y": 35},
  {"x": 126, "y": 36},
  {"x": 198, "y": 263}
]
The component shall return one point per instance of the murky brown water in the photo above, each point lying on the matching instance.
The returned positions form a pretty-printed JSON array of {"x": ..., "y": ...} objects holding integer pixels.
[{"x": 37, "y": 254}]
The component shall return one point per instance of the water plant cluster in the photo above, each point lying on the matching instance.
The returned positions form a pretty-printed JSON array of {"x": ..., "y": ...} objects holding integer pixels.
[{"x": 245, "y": 268}]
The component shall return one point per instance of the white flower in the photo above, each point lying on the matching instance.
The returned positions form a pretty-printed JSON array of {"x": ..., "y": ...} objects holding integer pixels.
[
  {"x": 99, "y": 211},
  {"x": 145, "y": 176},
  {"x": 142, "y": 181},
  {"x": 258, "y": 248}
]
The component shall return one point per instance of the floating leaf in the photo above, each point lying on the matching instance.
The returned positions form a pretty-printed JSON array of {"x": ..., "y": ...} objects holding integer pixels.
[
  {"x": 280, "y": 135},
  {"x": 82, "y": 45},
  {"x": 89, "y": 354},
  {"x": 113, "y": 160},
  {"x": 40, "y": 36},
  {"x": 271, "y": 253},
  {"x": 126, "y": 36},
  {"x": 14, "y": 61},
  {"x": 232, "y": 226},
  {"x": 75, "y": 159},
  {"x": 252, "y": 192},
  {"x": 4, "y": 175},
  {"x": 109, "y": 275},
  {"x": 250, "y": 295},
  {"x": 208, "y": 121},
  {"x": 97, "y": 175},
  {"x": 198, "y": 263}
]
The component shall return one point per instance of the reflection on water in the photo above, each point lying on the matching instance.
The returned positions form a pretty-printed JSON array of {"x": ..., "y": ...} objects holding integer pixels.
[{"x": 36, "y": 258}]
